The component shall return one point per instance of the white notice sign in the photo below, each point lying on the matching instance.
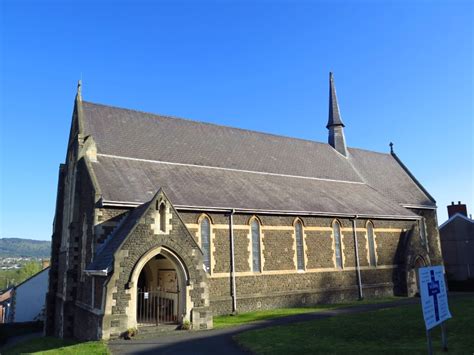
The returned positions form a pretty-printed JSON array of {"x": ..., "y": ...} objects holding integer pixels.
[
  {"x": 145, "y": 294},
  {"x": 434, "y": 300}
]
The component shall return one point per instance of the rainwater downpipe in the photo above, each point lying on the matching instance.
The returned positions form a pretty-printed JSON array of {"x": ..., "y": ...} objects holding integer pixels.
[
  {"x": 359, "y": 280},
  {"x": 232, "y": 264}
]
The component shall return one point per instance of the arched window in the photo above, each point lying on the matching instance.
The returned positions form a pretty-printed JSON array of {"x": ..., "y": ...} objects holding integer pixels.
[
  {"x": 206, "y": 242},
  {"x": 299, "y": 245},
  {"x": 371, "y": 241},
  {"x": 162, "y": 212},
  {"x": 336, "y": 229},
  {"x": 255, "y": 226},
  {"x": 423, "y": 231}
]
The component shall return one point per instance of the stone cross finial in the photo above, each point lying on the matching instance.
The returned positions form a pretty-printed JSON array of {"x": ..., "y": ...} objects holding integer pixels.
[{"x": 79, "y": 89}]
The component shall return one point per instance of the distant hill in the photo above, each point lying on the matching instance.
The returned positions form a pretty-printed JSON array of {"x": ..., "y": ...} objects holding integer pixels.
[{"x": 18, "y": 247}]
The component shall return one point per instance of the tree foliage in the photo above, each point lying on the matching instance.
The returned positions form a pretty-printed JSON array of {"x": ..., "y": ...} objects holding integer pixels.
[{"x": 14, "y": 277}]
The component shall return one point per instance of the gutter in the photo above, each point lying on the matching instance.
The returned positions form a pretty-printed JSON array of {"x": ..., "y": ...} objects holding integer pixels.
[
  {"x": 421, "y": 207},
  {"x": 232, "y": 264},
  {"x": 96, "y": 272},
  {"x": 262, "y": 211},
  {"x": 356, "y": 244}
]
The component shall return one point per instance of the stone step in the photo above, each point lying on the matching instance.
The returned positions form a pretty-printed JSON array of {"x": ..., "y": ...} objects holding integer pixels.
[{"x": 151, "y": 331}]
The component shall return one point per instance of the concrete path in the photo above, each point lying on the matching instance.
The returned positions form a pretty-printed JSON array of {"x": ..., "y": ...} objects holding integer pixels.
[{"x": 220, "y": 340}]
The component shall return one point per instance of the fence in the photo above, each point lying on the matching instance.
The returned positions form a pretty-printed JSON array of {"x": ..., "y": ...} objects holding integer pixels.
[{"x": 157, "y": 307}]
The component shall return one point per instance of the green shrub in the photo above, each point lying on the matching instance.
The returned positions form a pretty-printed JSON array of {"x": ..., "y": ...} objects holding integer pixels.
[{"x": 186, "y": 325}]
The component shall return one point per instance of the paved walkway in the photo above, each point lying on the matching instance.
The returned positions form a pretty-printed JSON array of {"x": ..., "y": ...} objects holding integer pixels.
[{"x": 220, "y": 340}]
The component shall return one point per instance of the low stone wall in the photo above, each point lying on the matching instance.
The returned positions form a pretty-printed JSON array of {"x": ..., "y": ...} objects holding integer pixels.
[{"x": 87, "y": 325}]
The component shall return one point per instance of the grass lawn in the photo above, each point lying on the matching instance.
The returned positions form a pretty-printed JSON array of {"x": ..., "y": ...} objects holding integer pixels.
[
  {"x": 389, "y": 331},
  {"x": 244, "y": 318},
  {"x": 51, "y": 345}
]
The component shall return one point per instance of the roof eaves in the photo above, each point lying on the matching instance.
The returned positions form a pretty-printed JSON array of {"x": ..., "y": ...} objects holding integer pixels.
[
  {"x": 269, "y": 212},
  {"x": 97, "y": 272},
  {"x": 453, "y": 217},
  {"x": 298, "y": 213},
  {"x": 32, "y": 276},
  {"x": 421, "y": 207}
]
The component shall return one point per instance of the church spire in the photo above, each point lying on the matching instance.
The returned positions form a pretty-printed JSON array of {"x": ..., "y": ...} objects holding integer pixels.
[
  {"x": 335, "y": 126},
  {"x": 334, "y": 115}
]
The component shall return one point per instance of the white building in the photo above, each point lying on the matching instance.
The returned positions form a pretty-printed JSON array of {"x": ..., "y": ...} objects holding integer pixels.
[{"x": 28, "y": 298}]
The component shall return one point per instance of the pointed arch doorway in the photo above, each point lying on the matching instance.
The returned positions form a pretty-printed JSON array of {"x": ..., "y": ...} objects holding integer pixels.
[
  {"x": 160, "y": 282},
  {"x": 413, "y": 282}
]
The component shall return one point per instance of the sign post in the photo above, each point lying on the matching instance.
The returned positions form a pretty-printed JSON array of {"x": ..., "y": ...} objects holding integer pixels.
[{"x": 434, "y": 302}]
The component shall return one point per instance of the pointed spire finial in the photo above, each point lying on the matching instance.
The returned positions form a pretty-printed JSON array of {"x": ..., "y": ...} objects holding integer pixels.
[
  {"x": 335, "y": 126},
  {"x": 391, "y": 147},
  {"x": 334, "y": 114},
  {"x": 79, "y": 90}
]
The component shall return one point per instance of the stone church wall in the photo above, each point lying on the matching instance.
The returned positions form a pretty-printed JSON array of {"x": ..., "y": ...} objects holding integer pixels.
[
  {"x": 434, "y": 240},
  {"x": 105, "y": 221},
  {"x": 280, "y": 284},
  {"x": 70, "y": 295}
]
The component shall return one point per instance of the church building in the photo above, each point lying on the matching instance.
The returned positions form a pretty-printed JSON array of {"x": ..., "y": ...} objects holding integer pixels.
[{"x": 161, "y": 220}]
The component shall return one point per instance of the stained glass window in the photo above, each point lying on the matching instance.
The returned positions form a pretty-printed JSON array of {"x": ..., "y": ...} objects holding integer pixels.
[
  {"x": 255, "y": 246},
  {"x": 206, "y": 242},
  {"x": 299, "y": 245}
]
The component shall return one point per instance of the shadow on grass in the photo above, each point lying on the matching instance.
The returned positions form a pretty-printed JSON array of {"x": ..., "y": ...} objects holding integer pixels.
[
  {"x": 50, "y": 345},
  {"x": 37, "y": 345},
  {"x": 9, "y": 330},
  {"x": 225, "y": 321}
]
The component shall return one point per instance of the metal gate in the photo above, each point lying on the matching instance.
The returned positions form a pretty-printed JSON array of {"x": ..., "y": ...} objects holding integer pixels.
[{"x": 157, "y": 307}]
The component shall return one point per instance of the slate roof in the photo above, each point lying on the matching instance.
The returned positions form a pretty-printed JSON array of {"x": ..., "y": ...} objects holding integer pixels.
[
  {"x": 385, "y": 174},
  {"x": 104, "y": 257},
  {"x": 205, "y": 165},
  {"x": 136, "y": 181},
  {"x": 455, "y": 216},
  {"x": 141, "y": 135}
]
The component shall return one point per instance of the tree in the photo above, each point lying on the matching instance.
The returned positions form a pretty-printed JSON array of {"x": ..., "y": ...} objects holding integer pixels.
[{"x": 10, "y": 278}]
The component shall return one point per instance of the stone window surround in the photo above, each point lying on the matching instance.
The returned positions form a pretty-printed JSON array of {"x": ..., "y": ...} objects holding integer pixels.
[
  {"x": 341, "y": 244},
  {"x": 262, "y": 246},
  {"x": 162, "y": 212},
  {"x": 263, "y": 228},
  {"x": 368, "y": 245},
  {"x": 156, "y": 226},
  {"x": 303, "y": 236},
  {"x": 212, "y": 247},
  {"x": 423, "y": 234}
]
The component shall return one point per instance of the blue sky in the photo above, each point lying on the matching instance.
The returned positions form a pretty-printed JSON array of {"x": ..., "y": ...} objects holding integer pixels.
[{"x": 403, "y": 70}]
